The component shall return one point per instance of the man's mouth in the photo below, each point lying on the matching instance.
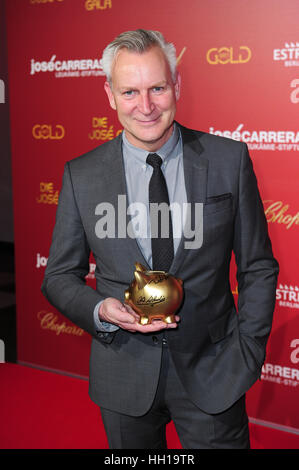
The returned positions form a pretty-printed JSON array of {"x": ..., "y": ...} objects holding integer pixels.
[{"x": 147, "y": 122}]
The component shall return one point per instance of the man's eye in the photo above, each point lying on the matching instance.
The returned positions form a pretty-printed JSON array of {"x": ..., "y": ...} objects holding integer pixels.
[
  {"x": 129, "y": 93},
  {"x": 158, "y": 89}
]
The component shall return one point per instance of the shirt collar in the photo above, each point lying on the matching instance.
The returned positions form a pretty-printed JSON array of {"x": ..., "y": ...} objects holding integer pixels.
[{"x": 140, "y": 155}]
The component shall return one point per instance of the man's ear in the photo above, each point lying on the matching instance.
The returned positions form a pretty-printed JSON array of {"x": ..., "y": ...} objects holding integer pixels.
[
  {"x": 177, "y": 86},
  {"x": 110, "y": 95}
]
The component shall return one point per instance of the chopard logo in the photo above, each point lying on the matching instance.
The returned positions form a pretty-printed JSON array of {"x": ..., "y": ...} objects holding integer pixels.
[
  {"x": 228, "y": 55},
  {"x": 49, "y": 321},
  {"x": 277, "y": 212}
]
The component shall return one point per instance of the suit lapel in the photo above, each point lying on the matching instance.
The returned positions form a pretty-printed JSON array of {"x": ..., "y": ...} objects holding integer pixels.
[
  {"x": 196, "y": 176},
  {"x": 115, "y": 171}
]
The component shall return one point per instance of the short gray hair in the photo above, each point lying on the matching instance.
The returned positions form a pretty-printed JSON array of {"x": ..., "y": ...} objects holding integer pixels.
[{"x": 139, "y": 41}]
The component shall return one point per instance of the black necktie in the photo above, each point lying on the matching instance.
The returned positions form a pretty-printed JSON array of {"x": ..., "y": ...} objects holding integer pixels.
[{"x": 162, "y": 248}]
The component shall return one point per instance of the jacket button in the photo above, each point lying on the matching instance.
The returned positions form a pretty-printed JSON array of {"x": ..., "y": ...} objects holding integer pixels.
[{"x": 155, "y": 339}]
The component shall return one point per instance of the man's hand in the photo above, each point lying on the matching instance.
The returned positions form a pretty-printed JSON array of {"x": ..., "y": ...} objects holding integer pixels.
[{"x": 122, "y": 315}]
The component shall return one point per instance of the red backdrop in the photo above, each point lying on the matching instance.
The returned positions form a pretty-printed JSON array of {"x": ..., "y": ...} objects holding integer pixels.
[{"x": 240, "y": 68}]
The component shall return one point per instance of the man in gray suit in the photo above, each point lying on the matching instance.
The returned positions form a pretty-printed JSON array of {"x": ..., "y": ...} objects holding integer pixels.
[{"x": 197, "y": 370}]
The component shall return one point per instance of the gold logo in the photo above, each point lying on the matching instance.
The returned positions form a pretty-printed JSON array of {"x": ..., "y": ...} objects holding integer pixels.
[
  {"x": 101, "y": 129},
  {"x": 277, "y": 212},
  {"x": 228, "y": 55},
  {"x": 47, "y": 131},
  {"x": 49, "y": 321},
  {"x": 98, "y": 4},
  {"x": 47, "y": 195}
]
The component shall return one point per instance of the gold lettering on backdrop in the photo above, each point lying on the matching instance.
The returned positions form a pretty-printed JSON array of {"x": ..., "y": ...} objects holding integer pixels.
[
  {"x": 276, "y": 212},
  {"x": 47, "y": 195},
  {"x": 98, "y": 4},
  {"x": 244, "y": 56},
  {"x": 46, "y": 131},
  {"x": 49, "y": 321},
  {"x": 101, "y": 130},
  {"x": 228, "y": 55}
]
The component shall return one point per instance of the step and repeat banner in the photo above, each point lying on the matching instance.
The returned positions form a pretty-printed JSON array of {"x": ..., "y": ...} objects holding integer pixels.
[{"x": 240, "y": 79}]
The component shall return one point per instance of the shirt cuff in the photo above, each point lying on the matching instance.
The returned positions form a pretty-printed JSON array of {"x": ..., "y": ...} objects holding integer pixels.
[{"x": 102, "y": 325}]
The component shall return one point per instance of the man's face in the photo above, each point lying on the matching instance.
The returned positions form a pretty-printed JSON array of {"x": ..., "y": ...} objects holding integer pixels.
[{"x": 144, "y": 96}]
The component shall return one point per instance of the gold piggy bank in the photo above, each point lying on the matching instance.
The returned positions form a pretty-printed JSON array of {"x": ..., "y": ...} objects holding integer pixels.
[{"x": 154, "y": 295}]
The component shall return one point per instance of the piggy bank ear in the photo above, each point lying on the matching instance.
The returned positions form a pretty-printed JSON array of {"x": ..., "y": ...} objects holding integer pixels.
[
  {"x": 140, "y": 267},
  {"x": 141, "y": 279}
]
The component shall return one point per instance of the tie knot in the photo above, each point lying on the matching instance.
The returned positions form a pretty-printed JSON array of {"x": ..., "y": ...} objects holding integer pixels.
[{"x": 154, "y": 160}]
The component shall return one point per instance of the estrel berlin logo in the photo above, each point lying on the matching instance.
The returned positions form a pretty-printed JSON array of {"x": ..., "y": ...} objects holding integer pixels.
[
  {"x": 289, "y": 54},
  {"x": 287, "y": 296},
  {"x": 228, "y": 55},
  {"x": 66, "y": 68},
  {"x": 282, "y": 140},
  {"x": 48, "y": 131}
]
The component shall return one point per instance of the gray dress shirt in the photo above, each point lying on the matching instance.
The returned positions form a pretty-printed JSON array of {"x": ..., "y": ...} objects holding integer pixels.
[{"x": 138, "y": 174}]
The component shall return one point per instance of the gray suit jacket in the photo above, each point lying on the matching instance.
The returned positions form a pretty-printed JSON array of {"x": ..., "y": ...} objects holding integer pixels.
[{"x": 218, "y": 352}]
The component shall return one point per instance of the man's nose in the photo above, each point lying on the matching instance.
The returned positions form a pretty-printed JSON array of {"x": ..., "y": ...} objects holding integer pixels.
[{"x": 145, "y": 104}]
